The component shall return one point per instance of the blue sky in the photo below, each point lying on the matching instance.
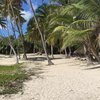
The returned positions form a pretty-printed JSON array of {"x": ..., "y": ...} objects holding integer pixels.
[{"x": 27, "y": 15}]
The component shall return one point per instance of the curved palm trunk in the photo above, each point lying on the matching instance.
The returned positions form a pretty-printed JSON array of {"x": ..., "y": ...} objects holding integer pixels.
[
  {"x": 12, "y": 48},
  {"x": 10, "y": 44},
  {"x": 20, "y": 30},
  {"x": 43, "y": 42},
  {"x": 23, "y": 41},
  {"x": 14, "y": 30},
  {"x": 17, "y": 61}
]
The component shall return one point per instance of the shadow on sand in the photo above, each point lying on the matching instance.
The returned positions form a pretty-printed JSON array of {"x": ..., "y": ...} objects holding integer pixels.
[
  {"x": 5, "y": 57},
  {"x": 37, "y": 71},
  {"x": 37, "y": 59},
  {"x": 96, "y": 67},
  {"x": 41, "y": 59}
]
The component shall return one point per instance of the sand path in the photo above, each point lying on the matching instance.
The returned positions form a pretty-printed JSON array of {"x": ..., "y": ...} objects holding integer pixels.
[{"x": 68, "y": 79}]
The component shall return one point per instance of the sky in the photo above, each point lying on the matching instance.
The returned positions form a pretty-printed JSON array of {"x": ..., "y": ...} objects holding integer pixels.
[{"x": 27, "y": 14}]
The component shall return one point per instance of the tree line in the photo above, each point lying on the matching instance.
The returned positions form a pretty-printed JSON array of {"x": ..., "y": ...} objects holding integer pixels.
[{"x": 68, "y": 25}]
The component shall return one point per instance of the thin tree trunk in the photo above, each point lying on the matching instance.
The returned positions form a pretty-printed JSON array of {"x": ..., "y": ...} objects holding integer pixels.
[
  {"x": 66, "y": 55},
  {"x": 52, "y": 51},
  {"x": 14, "y": 30},
  {"x": 23, "y": 42},
  {"x": 10, "y": 53},
  {"x": 87, "y": 55},
  {"x": 17, "y": 61},
  {"x": 10, "y": 44},
  {"x": 33, "y": 50},
  {"x": 43, "y": 42},
  {"x": 69, "y": 55}
]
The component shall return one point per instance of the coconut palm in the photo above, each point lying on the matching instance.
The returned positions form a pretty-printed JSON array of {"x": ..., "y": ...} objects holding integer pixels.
[
  {"x": 80, "y": 27},
  {"x": 14, "y": 11},
  {"x": 42, "y": 39}
]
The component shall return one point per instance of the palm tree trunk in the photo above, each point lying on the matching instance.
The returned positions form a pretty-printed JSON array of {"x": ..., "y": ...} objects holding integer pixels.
[
  {"x": 87, "y": 55},
  {"x": 69, "y": 55},
  {"x": 95, "y": 54},
  {"x": 52, "y": 51},
  {"x": 17, "y": 61},
  {"x": 43, "y": 42},
  {"x": 66, "y": 55},
  {"x": 10, "y": 53},
  {"x": 93, "y": 50},
  {"x": 10, "y": 44},
  {"x": 23, "y": 41},
  {"x": 20, "y": 30},
  {"x": 14, "y": 30}
]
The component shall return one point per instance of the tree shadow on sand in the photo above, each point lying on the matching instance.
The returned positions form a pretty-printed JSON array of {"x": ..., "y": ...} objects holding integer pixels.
[
  {"x": 37, "y": 59},
  {"x": 5, "y": 57},
  {"x": 91, "y": 68},
  {"x": 37, "y": 71},
  {"x": 41, "y": 59}
]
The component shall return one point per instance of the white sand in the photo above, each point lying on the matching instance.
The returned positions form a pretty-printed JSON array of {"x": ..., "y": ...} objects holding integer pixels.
[{"x": 68, "y": 79}]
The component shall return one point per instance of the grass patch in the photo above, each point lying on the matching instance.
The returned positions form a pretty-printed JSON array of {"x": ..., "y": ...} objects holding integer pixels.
[{"x": 11, "y": 79}]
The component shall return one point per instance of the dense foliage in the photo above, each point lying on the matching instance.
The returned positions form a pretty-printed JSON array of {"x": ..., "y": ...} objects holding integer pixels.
[{"x": 65, "y": 25}]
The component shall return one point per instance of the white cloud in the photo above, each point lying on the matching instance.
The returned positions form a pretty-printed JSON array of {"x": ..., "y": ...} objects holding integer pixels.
[{"x": 27, "y": 15}]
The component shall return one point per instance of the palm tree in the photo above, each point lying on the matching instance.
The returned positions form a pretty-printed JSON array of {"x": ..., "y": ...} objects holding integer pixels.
[
  {"x": 13, "y": 9},
  {"x": 45, "y": 13},
  {"x": 77, "y": 26},
  {"x": 13, "y": 25},
  {"x": 18, "y": 20},
  {"x": 3, "y": 24},
  {"x": 42, "y": 39}
]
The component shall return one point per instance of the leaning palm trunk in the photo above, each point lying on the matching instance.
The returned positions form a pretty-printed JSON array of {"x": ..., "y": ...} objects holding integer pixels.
[
  {"x": 43, "y": 42},
  {"x": 12, "y": 48},
  {"x": 14, "y": 30},
  {"x": 22, "y": 38},
  {"x": 20, "y": 30},
  {"x": 17, "y": 61},
  {"x": 10, "y": 44}
]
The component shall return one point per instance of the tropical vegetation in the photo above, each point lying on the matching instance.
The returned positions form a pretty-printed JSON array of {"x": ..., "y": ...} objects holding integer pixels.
[{"x": 60, "y": 26}]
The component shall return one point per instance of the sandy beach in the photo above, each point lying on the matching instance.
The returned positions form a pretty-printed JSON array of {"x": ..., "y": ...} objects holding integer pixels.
[{"x": 67, "y": 79}]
